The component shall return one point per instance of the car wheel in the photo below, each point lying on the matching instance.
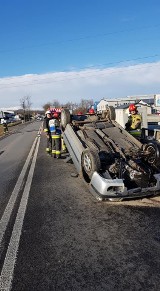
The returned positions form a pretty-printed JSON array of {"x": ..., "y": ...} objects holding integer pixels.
[
  {"x": 90, "y": 162},
  {"x": 153, "y": 153},
  {"x": 65, "y": 118}
]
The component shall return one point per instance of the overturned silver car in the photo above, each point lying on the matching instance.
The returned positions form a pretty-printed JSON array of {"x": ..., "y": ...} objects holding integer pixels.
[{"x": 115, "y": 165}]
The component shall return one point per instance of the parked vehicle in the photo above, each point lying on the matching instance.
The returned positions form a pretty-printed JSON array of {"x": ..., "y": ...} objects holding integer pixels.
[{"x": 115, "y": 165}]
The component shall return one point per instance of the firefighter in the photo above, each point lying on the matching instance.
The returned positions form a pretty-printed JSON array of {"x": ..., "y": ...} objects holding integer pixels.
[
  {"x": 47, "y": 130},
  {"x": 92, "y": 116},
  {"x": 91, "y": 111},
  {"x": 5, "y": 126},
  {"x": 133, "y": 124},
  {"x": 58, "y": 117},
  {"x": 56, "y": 136},
  {"x": 80, "y": 113}
]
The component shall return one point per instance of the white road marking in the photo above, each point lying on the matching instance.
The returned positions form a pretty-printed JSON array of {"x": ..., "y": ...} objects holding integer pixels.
[
  {"x": 9, "y": 208},
  {"x": 10, "y": 259}
]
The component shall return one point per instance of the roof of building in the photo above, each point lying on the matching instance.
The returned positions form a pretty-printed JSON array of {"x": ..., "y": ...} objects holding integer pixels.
[{"x": 131, "y": 98}]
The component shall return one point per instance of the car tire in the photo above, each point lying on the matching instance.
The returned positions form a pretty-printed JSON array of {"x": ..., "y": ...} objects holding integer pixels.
[
  {"x": 153, "y": 148},
  {"x": 109, "y": 113},
  {"x": 90, "y": 162},
  {"x": 65, "y": 118}
]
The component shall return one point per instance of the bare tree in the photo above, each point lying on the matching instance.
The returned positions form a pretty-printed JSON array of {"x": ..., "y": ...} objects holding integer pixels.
[
  {"x": 69, "y": 105},
  {"x": 86, "y": 103},
  {"x": 56, "y": 103},
  {"x": 83, "y": 106},
  {"x": 26, "y": 103},
  {"x": 23, "y": 105},
  {"x": 46, "y": 106}
]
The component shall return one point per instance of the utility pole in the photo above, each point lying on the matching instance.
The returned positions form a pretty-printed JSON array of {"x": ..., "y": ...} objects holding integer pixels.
[{"x": 24, "y": 110}]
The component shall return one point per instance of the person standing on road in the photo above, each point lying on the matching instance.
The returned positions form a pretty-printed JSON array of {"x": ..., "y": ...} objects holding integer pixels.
[
  {"x": 48, "y": 117},
  {"x": 56, "y": 136},
  {"x": 5, "y": 126}
]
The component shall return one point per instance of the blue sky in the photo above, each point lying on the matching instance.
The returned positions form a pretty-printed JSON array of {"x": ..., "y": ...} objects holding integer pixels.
[{"x": 70, "y": 36}]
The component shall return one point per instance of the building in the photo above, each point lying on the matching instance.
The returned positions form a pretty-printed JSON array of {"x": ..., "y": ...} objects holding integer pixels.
[{"x": 148, "y": 99}]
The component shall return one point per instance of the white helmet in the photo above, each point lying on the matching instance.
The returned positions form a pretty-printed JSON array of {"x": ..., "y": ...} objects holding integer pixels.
[{"x": 48, "y": 112}]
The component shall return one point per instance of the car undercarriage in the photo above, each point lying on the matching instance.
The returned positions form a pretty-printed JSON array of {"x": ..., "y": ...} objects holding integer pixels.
[{"x": 113, "y": 163}]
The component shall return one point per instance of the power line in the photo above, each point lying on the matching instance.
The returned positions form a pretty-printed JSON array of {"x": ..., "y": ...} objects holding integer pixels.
[
  {"x": 123, "y": 61},
  {"x": 81, "y": 38},
  {"x": 38, "y": 82},
  {"x": 93, "y": 66}
]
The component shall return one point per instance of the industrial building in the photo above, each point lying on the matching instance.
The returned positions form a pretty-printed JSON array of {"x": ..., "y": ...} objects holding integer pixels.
[{"x": 152, "y": 100}]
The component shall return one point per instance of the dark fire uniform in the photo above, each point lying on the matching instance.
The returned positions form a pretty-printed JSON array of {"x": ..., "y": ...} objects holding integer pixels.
[
  {"x": 56, "y": 137},
  {"x": 48, "y": 132}
]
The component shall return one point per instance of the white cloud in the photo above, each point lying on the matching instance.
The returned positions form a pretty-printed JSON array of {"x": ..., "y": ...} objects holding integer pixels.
[{"x": 89, "y": 83}]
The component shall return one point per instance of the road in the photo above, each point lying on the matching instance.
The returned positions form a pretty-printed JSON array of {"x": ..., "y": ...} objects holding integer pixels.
[{"x": 58, "y": 237}]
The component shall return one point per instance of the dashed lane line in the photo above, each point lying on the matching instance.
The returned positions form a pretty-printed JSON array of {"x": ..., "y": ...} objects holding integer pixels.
[
  {"x": 11, "y": 255},
  {"x": 9, "y": 208}
]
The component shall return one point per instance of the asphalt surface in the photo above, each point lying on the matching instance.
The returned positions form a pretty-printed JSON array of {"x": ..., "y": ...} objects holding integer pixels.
[
  {"x": 14, "y": 148},
  {"x": 70, "y": 241}
]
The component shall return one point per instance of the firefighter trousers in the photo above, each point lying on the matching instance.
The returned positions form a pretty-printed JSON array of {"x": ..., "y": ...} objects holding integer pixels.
[
  {"x": 49, "y": 144},
  {"x": 56, "y": 145},
  {"x": 5, "y": 127}
]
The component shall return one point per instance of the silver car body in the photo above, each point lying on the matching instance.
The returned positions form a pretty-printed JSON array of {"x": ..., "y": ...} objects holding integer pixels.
[{"x": 102, "y": 185}]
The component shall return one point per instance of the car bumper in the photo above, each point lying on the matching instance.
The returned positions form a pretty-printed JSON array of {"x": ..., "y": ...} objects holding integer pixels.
[{"x": 114, "y": 189}]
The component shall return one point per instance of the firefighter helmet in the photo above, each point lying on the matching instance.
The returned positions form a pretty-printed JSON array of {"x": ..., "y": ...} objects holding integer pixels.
[
  {"x": 48, "y": 112},
  {"x": 55, "y": 114},
  {"x": 91, "y": 111},
  {"x": 132, "y": 107}
]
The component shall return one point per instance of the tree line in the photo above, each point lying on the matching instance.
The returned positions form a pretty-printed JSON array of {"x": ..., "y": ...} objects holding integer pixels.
[
  {"x": 26, "y": 110},
  {"x": 75, "y": 107}
]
